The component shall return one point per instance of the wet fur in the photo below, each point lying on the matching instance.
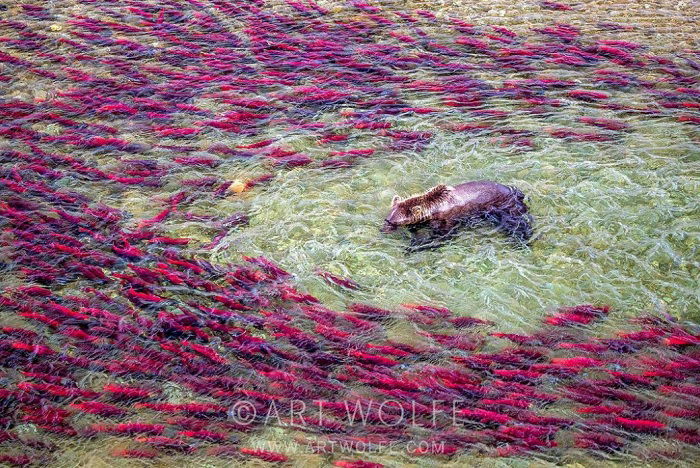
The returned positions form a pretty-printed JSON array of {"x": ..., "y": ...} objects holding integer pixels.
[
  {"x": 421, "y": 207},
  {"x": 429, "y": 235},
  {"x": 443, "y": 210}
]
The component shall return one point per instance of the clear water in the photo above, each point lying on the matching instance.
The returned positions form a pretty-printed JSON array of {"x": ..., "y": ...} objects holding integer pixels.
[{"x": 616, "y": 222}]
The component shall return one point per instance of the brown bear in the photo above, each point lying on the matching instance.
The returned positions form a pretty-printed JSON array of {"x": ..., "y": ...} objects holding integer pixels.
[{"x": 444, "y": 209}]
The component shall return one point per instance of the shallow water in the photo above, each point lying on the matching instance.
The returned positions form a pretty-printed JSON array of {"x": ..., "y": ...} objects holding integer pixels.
[
  {"x": 616, "y": 222},
  {"x": 609, "y": 229}
]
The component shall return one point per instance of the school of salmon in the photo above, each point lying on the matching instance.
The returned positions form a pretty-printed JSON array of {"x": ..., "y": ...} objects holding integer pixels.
[{"x": 102, "y": 311}]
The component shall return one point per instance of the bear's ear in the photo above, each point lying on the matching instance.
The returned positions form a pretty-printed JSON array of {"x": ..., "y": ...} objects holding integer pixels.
[
  {"x": 417, "y": 211},
  {"x": 395, "y": 200}
]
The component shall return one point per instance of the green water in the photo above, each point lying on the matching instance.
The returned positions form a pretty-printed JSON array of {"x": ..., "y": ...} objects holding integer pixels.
[{"x": 614, "y": 224}]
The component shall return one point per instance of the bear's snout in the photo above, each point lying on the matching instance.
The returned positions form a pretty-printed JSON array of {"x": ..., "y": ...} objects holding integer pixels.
[{"x": 388, "y": 227}]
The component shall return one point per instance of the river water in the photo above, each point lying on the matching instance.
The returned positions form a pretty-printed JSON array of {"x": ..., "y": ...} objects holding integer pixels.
[{"x": 615, "y": 210}]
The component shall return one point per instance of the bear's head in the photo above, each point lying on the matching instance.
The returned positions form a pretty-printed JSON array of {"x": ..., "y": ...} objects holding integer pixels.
[{"x": 401, "y": 215}]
